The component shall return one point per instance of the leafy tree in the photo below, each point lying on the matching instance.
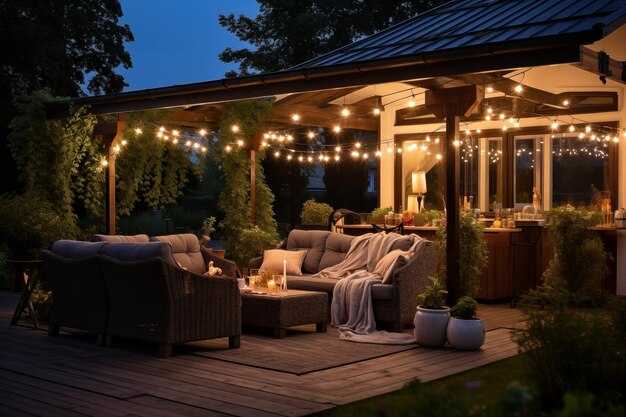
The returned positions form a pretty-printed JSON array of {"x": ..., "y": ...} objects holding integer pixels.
[
  {"x": 286, "y": 33},
  {"x": 60, "y": 45},
  {"x": 58, "y": 160}
]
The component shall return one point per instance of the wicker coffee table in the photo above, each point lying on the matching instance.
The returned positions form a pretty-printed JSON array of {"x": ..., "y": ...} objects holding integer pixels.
[{"x": 286, "y": 309}]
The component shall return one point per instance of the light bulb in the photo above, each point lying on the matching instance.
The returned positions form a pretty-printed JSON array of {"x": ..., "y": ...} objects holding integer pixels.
[
  {"x": 566, "y": 102},
  {"x": 337, "y": 129},
  {"x": 203, "y": 149},
  {"x": 117, "y": 148},
  {"x": 504, "y": 128},
  {"x": 295, "y": 117},
  {"x": 487, "y": 117},
  {"x": 365, "y": 156},
  {"x": 310, "y": 159},
  {"x": 276, "y": 154},
  {"x": 228, "y": 148},
  {"x": 490, "y": 89},
  {"x": 289, "y": 157},
  {"x": 289, "y": 138},
  {"x": 572, "y": 128},
  {"x": 345, "y": 112},
  {"x": 438, "y": 156},
  {"x": 300, "y": 158},
  {"x": 337, "y": 148},
  {"x": 376, "y": 111},
  {"x": 124, "y": 142},
  {"x": 240, "y": 143},
  {"x": 518, "y": 88},
  {"x": 588, "y": 129},
  {"x": 104, "y": 162},
  {"x": 188, "y": 143},
  {"x": 311, "y": 134},
  {"x": 555, "y": 125},
  {"x": 138, "y": 131},
  {"x": 378, "y": 153},
  {"x": 411, "y": 103},
  {"x": 489, "y": 110},
  {"x": 175, "y": 132},
  {"x": 174, "y": 141},
  {"x": 337, "y": 158},
  {"x": 161, "y": 129},
  {"x": 355, "y": 154},
  {"x": 202, "y": 132},
  {"x": 357, "y": 145},
  {"x": 456, "y": 143},
  {"x": 502, "y": 116},
  {"x": 234, "y": 128}
]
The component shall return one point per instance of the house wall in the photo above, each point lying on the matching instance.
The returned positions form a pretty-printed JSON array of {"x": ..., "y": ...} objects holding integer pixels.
[{"x": 556, "y": 79}]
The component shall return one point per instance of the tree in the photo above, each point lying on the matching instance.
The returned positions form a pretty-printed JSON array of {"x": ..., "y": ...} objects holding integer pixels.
[
  {"x": 59, "y": 45},
  {"x": 286, "y": 32}
]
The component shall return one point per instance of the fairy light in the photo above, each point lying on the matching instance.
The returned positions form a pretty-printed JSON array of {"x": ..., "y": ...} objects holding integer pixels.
[
  {"x": 228, "y": 148},
  {"x": 281, "y": 138},
  {"x": 337, "y": 148},
  {"x": 399, "y": 150},
  {"x": 488, "y": 117},
  {"x": 502, "y": 116},
  {"x": 572, "y": 128},
  {"x": 138, "y": 131},
  {"x": 518, "y": 88},
  {"x": 161, "y": 129},
  {"x": 439, "y": 157},
  {"x": 389, "y": 149},
  {"x": 516, "y": 124},
  {"x": 411, "y": 103},
  {"x": 588, "y": 129},
  {"x": 174, "y": 141},
  {"x": 504, "y": 128},
  {"x": 423, "y": 147},
  {"x": 566, "y": 103},
  {"x": 196, "y": 145},
  {"x": 555, "y": 125},
  {"x": 337, "y": 129},
  {"x": 310, "y": 159},
  {"x": 188, "y": 143},
  {"x": 276, "y": 154},
  {"x": 427, "y": 138},
  {"x": 203, "y": 149},
  {"x": 311, "y": 134},
  {"x": 295, "y": 117},
  {"x": 337, "y": 158},
  {"x": 376, "y": 111},
  {"x": 355, "y": 154},
  {"x": 124, "y": 142},
  {"x": 490, "y": 89},
  {"x": 159, "y": 135},
  {"x": 175, "y": 132},
  {"x": 456, "y": 143},
  {"x": 321, "y": 157},
  {"x": 117, "y": 148},
  {"x": 357, "y": 145},
  {"x": 365, "y": 156},
  {"x": 104, "y": 162},
  {"x": 378, "y": 153},
  {"x": 202, "y": 132},
  {"x": 345, "y": 112},
  {"x": 300, "y": 158},
  {"x": 234, "y": 128},
  {"x": 489, "y": 110},
  {"x": 290, "y": 138},
  {"x": 166, "y": 138},
  {"x": 240, "y": 143}
]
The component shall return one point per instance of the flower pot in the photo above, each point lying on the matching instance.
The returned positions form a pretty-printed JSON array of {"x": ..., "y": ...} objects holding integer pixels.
[
  {"x": 430, "y": 326},
  {"x": 466, "y": 334}
]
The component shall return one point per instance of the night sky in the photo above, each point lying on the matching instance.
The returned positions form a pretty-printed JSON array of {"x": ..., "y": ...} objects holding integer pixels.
[{"x": 178, "y": 42}]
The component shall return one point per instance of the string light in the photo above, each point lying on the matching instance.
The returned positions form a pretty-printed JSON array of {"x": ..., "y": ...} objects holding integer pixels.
[
  {"x": 518, "y": 88},
  {"x": 234, "y": 128},
  {"x": 240, "y": 143},
  {"x": 124, "y": 142},
  {"x": 104, "y": 162},
  {"x": 337, "y": 129},
  {"x": 311, "y": 134},
  {"x": 555, "y": 125},
  {"x": 295, "y": 117},
  {"x": 345, "y": 112},
  {"x": 175, "y": 132},
  {"x": 138, "y": 131},
  {"x": 376, "y": 111},
  {"x": 490, "y": 89},
  {"x": 202, "y": 132}
]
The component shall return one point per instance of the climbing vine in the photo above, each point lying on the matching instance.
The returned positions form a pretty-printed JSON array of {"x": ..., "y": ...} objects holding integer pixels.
[
  {"x": 150, "y": 169},
  {"x": 242, "y": 239}
]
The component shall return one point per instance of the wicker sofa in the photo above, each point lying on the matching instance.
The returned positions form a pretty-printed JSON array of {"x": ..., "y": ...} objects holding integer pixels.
[
  {"x": 394, "y": 303},
  {"x": 151, "y": 291}
]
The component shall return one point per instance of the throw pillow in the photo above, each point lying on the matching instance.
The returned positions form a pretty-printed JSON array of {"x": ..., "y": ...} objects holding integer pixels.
[
  {"x": 273, "y": 261},
  {"x": 389, "y": 263}
]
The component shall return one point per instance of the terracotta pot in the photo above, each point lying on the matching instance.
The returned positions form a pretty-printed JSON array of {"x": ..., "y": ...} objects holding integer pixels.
[
  {"x": 466, "y": 334},
  {"x": 430, "y": 326}
]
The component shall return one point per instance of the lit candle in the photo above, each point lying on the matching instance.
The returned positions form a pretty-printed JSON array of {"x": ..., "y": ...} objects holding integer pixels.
[
  {"x": 285, "y": 274},
  {"x": 270, "y": 285}
]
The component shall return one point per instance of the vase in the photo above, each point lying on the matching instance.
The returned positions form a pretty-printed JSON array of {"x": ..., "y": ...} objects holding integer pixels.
[
  {"x": 466, "y": 334},
  {"x": 430, "y": 326}
]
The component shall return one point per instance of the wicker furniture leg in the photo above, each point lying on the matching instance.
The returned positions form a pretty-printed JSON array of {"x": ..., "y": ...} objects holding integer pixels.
[
  {"x": 321, "y": 327},
  {"x": 234, "y": 341}
]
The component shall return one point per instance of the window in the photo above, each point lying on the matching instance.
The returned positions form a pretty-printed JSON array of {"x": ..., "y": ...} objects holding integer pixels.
[
  {"x": 528, "y": 173},
  {"x": 469, "y": 187},
  {"x": 495, "y": 179},
  {"x": 580, "y": 172}
]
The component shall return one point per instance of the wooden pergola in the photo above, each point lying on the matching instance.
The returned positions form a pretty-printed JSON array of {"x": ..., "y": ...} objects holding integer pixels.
[{"x": 453, "y": 74}]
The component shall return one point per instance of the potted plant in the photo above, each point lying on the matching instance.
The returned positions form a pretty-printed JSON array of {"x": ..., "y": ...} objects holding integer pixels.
[
  {"x": 431, "y": 318},
  {"x": 378, "y": 214},
  {"x": 315, "y": 215},
  {"x": 465, "y": 331}
]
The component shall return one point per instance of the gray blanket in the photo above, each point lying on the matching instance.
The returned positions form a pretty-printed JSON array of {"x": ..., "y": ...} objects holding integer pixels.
[{"x": 351, "y": 308}]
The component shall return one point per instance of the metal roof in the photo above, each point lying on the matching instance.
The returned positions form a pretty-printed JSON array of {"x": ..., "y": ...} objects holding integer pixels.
[{"x": 470, "y": 23}]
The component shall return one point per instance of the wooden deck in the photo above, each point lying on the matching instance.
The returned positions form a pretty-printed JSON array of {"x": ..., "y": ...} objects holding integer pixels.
[{"x": 71, "y": 376}]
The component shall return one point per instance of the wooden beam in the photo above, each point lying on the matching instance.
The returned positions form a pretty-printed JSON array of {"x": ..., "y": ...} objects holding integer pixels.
[
  {"x": 602, "y": 64},
  {"x": 255, "y": 144}
]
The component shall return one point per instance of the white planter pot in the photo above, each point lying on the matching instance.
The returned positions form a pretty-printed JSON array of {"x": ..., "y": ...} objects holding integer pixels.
[
  {"x": 466, "y": 334},
  {"x": 430, "y": 326}
]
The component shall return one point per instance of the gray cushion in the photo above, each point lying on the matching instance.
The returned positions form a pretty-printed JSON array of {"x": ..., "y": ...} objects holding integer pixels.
[
  {"x": 337, "y": 246},
  {"x": 76, "y": 249},
  {"x": 130, "y": 252},
  {"x": 382, "y": 291},
  {"x": 404, "y": 243},
  {"x": 314, "y": 242},
  {"x": 120, "y": 238},
  {"x": 305, "y": 283},
  {"x": 186, "y": 251}
]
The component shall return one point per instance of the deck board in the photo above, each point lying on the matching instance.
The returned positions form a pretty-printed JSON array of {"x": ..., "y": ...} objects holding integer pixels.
[{"x": 71, "y": 376}]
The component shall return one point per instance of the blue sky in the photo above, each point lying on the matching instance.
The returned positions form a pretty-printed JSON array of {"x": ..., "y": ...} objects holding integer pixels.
[{"x": 178, "y": 42}]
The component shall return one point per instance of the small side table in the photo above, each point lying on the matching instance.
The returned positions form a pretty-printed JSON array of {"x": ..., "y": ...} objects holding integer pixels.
[{"x": 24, "y": 271}]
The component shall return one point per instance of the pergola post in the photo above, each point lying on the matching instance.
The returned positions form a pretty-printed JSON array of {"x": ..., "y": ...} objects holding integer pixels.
[
  {"x": 451, "y": 103},
  {"x": 110, "y": 134},
  {"x": 255, "y": 143}
]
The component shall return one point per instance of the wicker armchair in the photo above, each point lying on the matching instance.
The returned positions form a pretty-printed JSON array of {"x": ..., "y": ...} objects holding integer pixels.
[
  {"x": 72, "y": 272},
  {"x": 156, "y": 301}
]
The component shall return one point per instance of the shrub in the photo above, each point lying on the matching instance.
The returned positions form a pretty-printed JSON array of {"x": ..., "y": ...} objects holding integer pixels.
[
  {"x": 29, "y": 225},
  {"x": 465, "y": 308},
  {"x": 315, "y": 213},
  {"x": 249, "y": 243},
  {"x": 568, "y": 351},
  {"x": 579, "y": 259}
]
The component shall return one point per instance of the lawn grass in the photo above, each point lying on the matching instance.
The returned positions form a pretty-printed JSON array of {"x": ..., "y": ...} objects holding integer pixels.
[{"x": 475, "y": 389}]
